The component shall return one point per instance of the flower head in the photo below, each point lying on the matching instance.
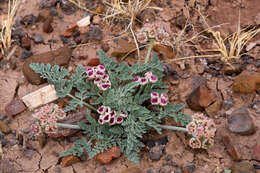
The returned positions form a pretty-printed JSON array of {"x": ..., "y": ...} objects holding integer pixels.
[
  {"x": 143, "y": 81},
  {"x": 155, "y": 100},
  {"x": 36, "y": 128},
  {"x": 195, "y": 143}
]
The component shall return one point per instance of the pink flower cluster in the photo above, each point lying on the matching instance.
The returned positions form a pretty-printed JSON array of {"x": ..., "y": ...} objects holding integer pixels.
[
  {"x": 157, "y": 99},
  {"x": 101, "y": 78},
  {"x": 47, "y": 117},
  {"x": 148, "y": 77},
  {"x": 203, "y": 131},
  {"x": 152, "y": 31},
  {"x": 110, "y": 116}
]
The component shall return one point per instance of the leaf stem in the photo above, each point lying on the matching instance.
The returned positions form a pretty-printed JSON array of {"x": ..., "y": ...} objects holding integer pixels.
[
  {"x": 175, "y": 128},
  {"x": 84, "y": 103},
  {"x": 149, "y": 51},
  {"x": 68, "y": 126}
]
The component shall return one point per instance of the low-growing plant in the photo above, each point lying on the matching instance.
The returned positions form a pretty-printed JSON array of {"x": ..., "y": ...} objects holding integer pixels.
[{"x": 125, "y": 102}]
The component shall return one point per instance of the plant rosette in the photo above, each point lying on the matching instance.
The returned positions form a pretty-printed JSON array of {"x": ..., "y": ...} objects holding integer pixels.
[{"x": 120, "y": 97}]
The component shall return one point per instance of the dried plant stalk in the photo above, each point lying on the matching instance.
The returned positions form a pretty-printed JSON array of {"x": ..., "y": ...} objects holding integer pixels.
[{"x": 6, "y": 30}]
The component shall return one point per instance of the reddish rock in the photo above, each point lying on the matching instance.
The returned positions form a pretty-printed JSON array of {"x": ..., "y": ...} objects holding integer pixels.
[
  {"x": 256, "y": 153},
  {"x": 100, "y": 9},
  {"x": 68, "y": 32},
  {"x": 246, "y": 82},
  {"x": 15, "y": 107},
  {"x": 165, "y": 51},
  {"x": 240, "y": 122},
  {"x": 69, "y": 160},
  {"x": 93, "y": 62},
  {"x": 132, "y": 170},
  {"x": 200, "y": 98},
  {"x": 26, "y": 42},
  {"x": 59, "y": 57},
  {"x": 231, "y": 149},
  {"x": 47, "y": 27},
  {"x": 108, "y": 155}
]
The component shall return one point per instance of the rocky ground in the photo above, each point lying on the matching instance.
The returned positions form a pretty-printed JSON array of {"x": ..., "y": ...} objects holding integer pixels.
[{"x": 45, "y": 31}]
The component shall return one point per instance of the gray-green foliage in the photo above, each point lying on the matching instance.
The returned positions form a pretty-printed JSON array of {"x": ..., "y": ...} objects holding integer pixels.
[{"x": 124, "y": 95}]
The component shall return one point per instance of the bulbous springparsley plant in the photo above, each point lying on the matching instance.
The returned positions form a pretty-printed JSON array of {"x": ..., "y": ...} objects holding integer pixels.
[{"x": 125, "y": 102}]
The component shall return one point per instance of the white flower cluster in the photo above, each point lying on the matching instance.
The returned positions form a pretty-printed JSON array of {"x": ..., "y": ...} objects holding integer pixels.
[{"x": 110, "y": 116}]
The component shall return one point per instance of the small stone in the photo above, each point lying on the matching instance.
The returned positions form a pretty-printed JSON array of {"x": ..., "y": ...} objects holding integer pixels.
[
  {"x": 150, "y": 171},
  {"x": 178, "y": 170},
  {"x": 26, "y": 42},
  {"x": 200, "y": 98},
  {"x": 48, "y": 3},
  {"x": 240, "y": 122},
  {"x": 96, "y": 20},
  {"x": 172, "y": 163},
  {"x": 4, "y": 142},
  {"x": 38, "y": 39},
  {"x": 69, "y": 160},
  {"x": 26, "y": 54},
  {"x": 47, "y": 27},
  {"x": 84, "y": 22},
  {"x": 15, "y": 107},
  {"x": 169, "y": 157},
  {"x": 214, "y": 109},
  {"x": 246, "y": 82},
  {"x": 53, "y": 11},
  {"x": 108, "y": 155},
  {"x": 231, "y": 149},
  {"x": 100, "y": 9},
  {"x": 242, "y": 167},
  {"x": 156, "y": 152},
  {"x": 29, "y": 20},
  {"x": 4, "y": 128},
  {"x": 105, "y": 47},
  {"x": 189, "y": 169},
  {"x": 59, "y": 57},
  {"x": 94, "y": 34},
  {"x": 256, "y": 153},
  {"x": 132, "y": 170},
  {"x": 67, "y": 7},
  {"x": 2, "y": 135},
  {"x": 166, "y": 51},
  {"x": 166, "y": 169},
  {"x": 93, "y": 62},
  {"x": 2, "y": 116},
  {"x": 227, "y": 104}
]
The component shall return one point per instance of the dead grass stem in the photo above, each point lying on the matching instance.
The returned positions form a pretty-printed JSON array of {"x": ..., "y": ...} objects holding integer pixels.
[{"x": 6, "y": 30}]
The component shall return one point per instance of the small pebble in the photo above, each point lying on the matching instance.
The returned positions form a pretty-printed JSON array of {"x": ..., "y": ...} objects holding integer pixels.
[
  {"x": 168, "y": 157},
  {"x": 38, "y": 39},
  {"x": 54, "y": 11},
  {"x": 189, "y": 168},
  {"x": 178, "y": 170},
  {"x": 26, "y": 54},
  {"x": 29, "y": 153},
  {"x": 165, "y": 169},
  {"x": 150, "y": 171}
]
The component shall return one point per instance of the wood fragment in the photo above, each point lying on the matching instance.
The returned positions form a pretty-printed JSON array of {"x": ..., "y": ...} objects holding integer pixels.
[{"x": 40, "y": 97}]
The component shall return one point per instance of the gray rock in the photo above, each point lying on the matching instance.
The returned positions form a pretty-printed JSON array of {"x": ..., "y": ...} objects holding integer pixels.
[
  {"x": 38, "y": 39},
  {"x": 29, "y": 153},
  {"x": 156, "y": 152},
  {"x": 150, "y": 171},
  {"x": 240, "y": 122},
  {"x": 189, "y": 168}
]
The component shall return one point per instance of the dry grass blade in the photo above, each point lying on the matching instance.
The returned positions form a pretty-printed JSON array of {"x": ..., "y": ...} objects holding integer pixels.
[
  {"x": 80, "y": 5},
  {"x": 235, "y": 43},
  {"x": 6, "y": 30},
  {"x": 118, "y": 9}
]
